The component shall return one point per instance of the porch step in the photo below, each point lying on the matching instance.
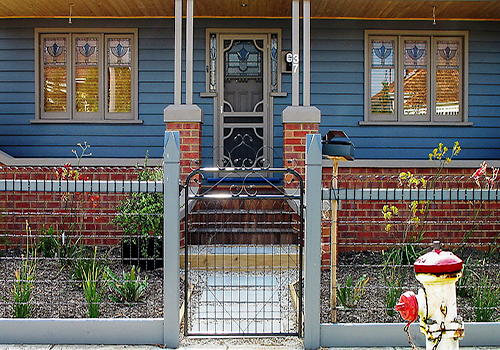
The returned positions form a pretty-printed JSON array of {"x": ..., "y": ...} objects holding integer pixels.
[{"x": 250, "y": 220}]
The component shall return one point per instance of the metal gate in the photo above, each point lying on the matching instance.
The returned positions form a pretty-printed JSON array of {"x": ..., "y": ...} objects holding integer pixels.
[{"x": 243, "y": 252}]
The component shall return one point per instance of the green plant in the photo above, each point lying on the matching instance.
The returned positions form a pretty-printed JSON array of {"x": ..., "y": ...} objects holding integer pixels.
[
  {"x": 21, "y": 292},
  {"x": 393, "y": 279},
  {"x": 485, "y": 297},
  {"x": 141, "y": 214},
  {"x": 74, "y": 202},
  {"x": 48, "y": 244},
  {"x": 69, "y": 250},
  {"x": 483, "y": 181},
  {"x": 350, "y": 294},
  {"x": 463, "y": 284},
  {"x": 94, "y": 282},
  {"x": 128, "y": 289},
  {"x": 83, "y": 263},
  {"x": 407, "y": 250}
]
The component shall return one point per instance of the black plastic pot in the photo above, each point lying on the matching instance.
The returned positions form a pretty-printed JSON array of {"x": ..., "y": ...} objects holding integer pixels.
[{"x": 144, "y": 252}]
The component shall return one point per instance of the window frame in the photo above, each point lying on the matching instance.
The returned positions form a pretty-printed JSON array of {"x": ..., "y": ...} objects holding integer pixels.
[
  {"x": 398, "y": 117},
  {"x": 71, "y": 116}
]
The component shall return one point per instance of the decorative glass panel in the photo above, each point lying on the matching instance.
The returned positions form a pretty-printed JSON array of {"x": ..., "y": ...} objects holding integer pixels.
[
  {"x": 54, "y": 53},
  {"x": 382, "y": 91},
  {"x": 54, "y": 75},
  {"x": 415, "y": 53},
  {"x": 119, "y": 75},
  {"x": 243, "y": 59},
  {"x": 382, "y": 53},
  {"x": 448, "y": 54},
  {"x": 415, "y": 91},
  {"x": 274, "y": 63},
  {"x": 87, "y": 75},
  {"x": 87, "y": 51},
  {"x": 119, "y": 53},
  {"x": 213, "y": 63}
]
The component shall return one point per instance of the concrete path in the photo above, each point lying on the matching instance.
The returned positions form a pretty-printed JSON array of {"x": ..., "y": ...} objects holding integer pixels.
[{"x": 194, "y": 347}]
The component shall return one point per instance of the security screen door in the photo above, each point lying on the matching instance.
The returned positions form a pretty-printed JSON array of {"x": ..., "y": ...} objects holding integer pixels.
[{"x": 243, "y": 131}]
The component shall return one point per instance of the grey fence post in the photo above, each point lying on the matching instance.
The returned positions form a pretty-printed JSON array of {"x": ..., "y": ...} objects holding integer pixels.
[
  {"x": 171, "y": 238},
  {"x": 312, "y": 242}
]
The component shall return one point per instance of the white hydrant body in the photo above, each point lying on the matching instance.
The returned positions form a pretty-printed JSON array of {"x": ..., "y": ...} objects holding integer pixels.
[
  {"x": 439, "y": 320},
  {"x": 436, "y": 302}
]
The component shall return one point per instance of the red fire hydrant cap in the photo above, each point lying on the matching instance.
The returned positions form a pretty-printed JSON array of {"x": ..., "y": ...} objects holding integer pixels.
[
  {"x": 408, "y": 306},
  {"x": 438, "y": 262}
]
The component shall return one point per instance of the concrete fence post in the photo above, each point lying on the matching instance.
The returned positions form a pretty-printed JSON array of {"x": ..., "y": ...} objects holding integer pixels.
[
  {"x": 312, "y": 242},
  {"x": 171, "y": 238}
]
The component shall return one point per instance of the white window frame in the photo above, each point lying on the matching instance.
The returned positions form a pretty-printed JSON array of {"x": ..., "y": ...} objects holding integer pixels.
[
  {"x": 398, "y": 117},
  {"x": 71, "y": 116}
]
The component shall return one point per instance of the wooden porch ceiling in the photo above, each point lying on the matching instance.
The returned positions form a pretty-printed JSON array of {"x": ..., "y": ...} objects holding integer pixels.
[{"x": 363, "y": 9}]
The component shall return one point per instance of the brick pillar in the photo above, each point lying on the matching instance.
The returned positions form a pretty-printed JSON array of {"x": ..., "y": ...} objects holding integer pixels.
[
  {"x": 187, "y": 119},
  {"x": 190, "y": 147},
  {"x": 297, "y": 123}
]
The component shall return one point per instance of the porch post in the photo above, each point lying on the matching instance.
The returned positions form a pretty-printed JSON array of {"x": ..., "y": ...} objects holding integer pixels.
[
  {"x": 312, "y": 243},
  {"x": 178, "y": 53},
  {"x": 295, "y": 53},
  {"x": 188, "y": 118},
  {"x": 189, "y": 53},
  {"x": 171, "y": 239},
  {"x": 306, "y": 83},
  {"x": 299, "y": 121}
]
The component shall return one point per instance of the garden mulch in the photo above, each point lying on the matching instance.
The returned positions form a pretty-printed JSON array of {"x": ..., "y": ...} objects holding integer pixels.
[{"x": 57, "y": 295}]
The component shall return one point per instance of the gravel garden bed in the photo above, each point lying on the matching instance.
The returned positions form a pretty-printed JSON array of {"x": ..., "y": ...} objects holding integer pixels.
[{"x": 56, "y": 295}]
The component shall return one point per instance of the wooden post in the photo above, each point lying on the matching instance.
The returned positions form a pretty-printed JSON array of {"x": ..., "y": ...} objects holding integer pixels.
[{"x": 333, "y": 243}]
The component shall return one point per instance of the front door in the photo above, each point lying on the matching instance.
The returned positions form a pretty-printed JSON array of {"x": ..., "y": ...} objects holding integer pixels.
[{"x": 244, "y": 125}]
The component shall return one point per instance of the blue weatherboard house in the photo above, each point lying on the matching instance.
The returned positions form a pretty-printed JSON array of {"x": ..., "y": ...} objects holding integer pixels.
[{"x": 397, "y": 77}]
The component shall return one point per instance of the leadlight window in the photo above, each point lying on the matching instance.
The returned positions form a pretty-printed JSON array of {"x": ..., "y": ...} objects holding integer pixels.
[
  {"x": 87, "y": 77},
  {"x": 274, "y": 62},
  {"x": 55, "y": 79},
  {"x": 243, "y": 58},
  {"x": 414, "y": 78}
]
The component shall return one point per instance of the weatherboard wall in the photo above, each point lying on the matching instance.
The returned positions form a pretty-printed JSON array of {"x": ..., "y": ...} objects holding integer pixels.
[{"x": 337, "y": 89}]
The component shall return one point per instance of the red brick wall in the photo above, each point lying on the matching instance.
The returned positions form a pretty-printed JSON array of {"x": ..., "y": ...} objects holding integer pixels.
[
  {"x": 88, "y": 215},
  {"x": 190, "y": 140},
  {"x": 294, "y": 144},
  {"x": 361, "y": 225}
]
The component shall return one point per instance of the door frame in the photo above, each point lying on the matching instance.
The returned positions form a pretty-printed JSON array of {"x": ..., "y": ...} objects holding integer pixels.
[{"x": 217, "y": 92}]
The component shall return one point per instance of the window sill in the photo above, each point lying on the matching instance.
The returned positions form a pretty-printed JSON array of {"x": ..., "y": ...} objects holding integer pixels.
[
  {"x": 380, "y": 123},
  {"x": 72, "y": 121},
  {"x": 208, "y": 94}
]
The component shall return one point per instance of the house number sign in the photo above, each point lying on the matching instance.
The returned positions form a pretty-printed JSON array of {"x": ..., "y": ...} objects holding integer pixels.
[{"x": 294, "y": 60}]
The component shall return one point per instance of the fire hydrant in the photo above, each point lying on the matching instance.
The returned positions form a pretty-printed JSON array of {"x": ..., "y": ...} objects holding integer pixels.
[{"x": 436, "y": 302}]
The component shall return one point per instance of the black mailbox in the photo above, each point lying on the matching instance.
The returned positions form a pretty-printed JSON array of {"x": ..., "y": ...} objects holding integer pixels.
[{"x": 336, "y": 144}]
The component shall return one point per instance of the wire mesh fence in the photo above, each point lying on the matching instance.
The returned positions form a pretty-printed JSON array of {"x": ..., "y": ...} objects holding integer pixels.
[
  {"x": 70, "y": 236},
  {"x": 384, "y": 223},
  {"x": 81, "y": 242}
]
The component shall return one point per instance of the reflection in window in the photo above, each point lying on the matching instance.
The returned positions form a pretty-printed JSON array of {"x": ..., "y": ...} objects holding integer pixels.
[
  {"x": 87, "y": 75},
  {"x": 415, "y": 77},
  {"x": 119, "y": 75},
  {"x": 54, "y": 75},
  {"x": 447, "y": 78},
  {"x": 382, "y": 82}
]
